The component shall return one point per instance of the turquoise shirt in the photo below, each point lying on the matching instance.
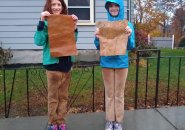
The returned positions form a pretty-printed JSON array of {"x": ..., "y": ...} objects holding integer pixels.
[
  {"x": 41, "y": 39},
  {"x": 118, "y": 61}
]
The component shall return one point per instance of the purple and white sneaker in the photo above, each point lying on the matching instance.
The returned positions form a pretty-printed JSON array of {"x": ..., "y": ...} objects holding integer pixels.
[
  {"x": 52, "y": 127},
  {"x": 62, "y": 127}
]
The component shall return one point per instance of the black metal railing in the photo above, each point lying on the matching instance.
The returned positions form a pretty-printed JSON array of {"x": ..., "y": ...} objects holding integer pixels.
[
  {"x": 149, "y": 85},
  {"x": 157, "y": 75},
  {"x": 178, "y": 68},
  {"x": 35, "y": 73}
]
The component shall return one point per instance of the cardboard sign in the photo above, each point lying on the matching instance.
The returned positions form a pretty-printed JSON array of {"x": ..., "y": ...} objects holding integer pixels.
[
  {"x": 61, "y": 35},
  {"x": 113, "y": 38}
]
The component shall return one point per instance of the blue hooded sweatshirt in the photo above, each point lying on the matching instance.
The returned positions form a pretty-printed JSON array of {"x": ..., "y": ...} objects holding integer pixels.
[{"x": 118, "y": 61}]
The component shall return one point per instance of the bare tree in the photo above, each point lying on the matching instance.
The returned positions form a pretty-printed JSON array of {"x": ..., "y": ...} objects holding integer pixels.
[{"x": 159, "y": 12}]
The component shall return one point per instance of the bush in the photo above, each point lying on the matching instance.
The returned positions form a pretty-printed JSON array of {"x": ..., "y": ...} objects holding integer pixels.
[
  {"x": 142, "y": 43},
  {"x": 182, "y": 42},
  {"x": 5, "y": 56},
  {"x": 141, "y": 38}
]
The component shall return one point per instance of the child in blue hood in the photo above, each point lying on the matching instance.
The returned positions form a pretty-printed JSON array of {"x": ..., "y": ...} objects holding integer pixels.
[{"x": 115, "y": 70}]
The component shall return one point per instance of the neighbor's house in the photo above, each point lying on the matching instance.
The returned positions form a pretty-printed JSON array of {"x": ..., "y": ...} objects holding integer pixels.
[{"x": 19, "y": 18}]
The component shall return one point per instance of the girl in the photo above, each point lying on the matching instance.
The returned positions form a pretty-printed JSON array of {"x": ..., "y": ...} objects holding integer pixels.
[
  {"x": 115, "y": 69},
  {"x": 57, "y": 69}
]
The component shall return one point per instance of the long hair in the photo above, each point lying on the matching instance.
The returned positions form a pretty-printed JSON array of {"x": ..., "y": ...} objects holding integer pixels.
[{"x": 47, "y": 7}]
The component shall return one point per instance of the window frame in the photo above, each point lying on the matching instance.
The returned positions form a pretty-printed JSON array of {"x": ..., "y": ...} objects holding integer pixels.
[
  {"x": 128, "y": 10},
  {"x": 92, "y": 14}
]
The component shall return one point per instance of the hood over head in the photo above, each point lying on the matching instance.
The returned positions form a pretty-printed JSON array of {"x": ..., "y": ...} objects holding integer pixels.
[{"x": 121, "y": 10}]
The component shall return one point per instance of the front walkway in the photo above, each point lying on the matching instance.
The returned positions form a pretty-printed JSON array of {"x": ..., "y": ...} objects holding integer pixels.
[{"x": 170, "y": 118}]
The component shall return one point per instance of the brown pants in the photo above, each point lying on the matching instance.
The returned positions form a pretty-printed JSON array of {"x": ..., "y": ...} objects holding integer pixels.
[
  {"x": 114, "y": 82},
  {"x": 58, "y": 83}
]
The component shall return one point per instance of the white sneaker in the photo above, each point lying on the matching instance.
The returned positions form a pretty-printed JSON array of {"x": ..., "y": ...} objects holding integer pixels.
[
  {"x": 118, "y": 126},
  {"x": 109, "y": 125}
]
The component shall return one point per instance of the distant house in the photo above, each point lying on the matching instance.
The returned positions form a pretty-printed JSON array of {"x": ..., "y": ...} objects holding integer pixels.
[{"x": 19, "y": 18}]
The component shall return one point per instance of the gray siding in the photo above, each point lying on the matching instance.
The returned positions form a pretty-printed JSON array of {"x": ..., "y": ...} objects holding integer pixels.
[{"x": 19, "y": 18}]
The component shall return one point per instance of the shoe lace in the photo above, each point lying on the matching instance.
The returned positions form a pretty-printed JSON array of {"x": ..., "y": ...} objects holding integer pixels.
[
  {"x": 117, "y": 125},
  {"x": 54, "y": 127},
  {"x": 109, "y": 124},
  {"x": 63, "y": 127}
]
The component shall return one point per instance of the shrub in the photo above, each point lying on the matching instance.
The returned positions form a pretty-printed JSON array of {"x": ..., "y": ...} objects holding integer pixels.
[
  {"x": 141, "y": 38},
  {"x": 5, "y": 56},
  {"x": 142, "y": 43},
  {"x": 182, "y": 42}
]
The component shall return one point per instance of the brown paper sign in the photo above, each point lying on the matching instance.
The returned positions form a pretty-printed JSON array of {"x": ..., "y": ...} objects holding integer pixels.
[
  {"x": 61, "y": 35},
  {"x": 113, "y": 38}
]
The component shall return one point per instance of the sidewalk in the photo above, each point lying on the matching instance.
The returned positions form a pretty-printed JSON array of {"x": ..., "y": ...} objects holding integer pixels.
[{"x": 170, "y": 118}]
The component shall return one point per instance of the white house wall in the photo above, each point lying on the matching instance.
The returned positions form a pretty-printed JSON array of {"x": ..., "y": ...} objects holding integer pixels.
[{"x": 19, "y": 18}]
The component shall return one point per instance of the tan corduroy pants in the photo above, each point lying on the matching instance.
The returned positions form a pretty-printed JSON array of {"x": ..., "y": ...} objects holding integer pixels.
[
  {"x": 114, "y": 82},
  {"x": 58, "y": 83}
]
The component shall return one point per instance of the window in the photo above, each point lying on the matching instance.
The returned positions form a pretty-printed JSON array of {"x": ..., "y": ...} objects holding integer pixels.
[{"x": 84, "y": 9}]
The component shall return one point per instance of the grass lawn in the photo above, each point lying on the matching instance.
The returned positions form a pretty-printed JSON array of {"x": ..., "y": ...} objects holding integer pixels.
[{"x": 81, "y": 86}]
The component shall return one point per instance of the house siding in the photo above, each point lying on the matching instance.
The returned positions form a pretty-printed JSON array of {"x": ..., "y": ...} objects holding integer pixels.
[{"x": 19, "y": 18}]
